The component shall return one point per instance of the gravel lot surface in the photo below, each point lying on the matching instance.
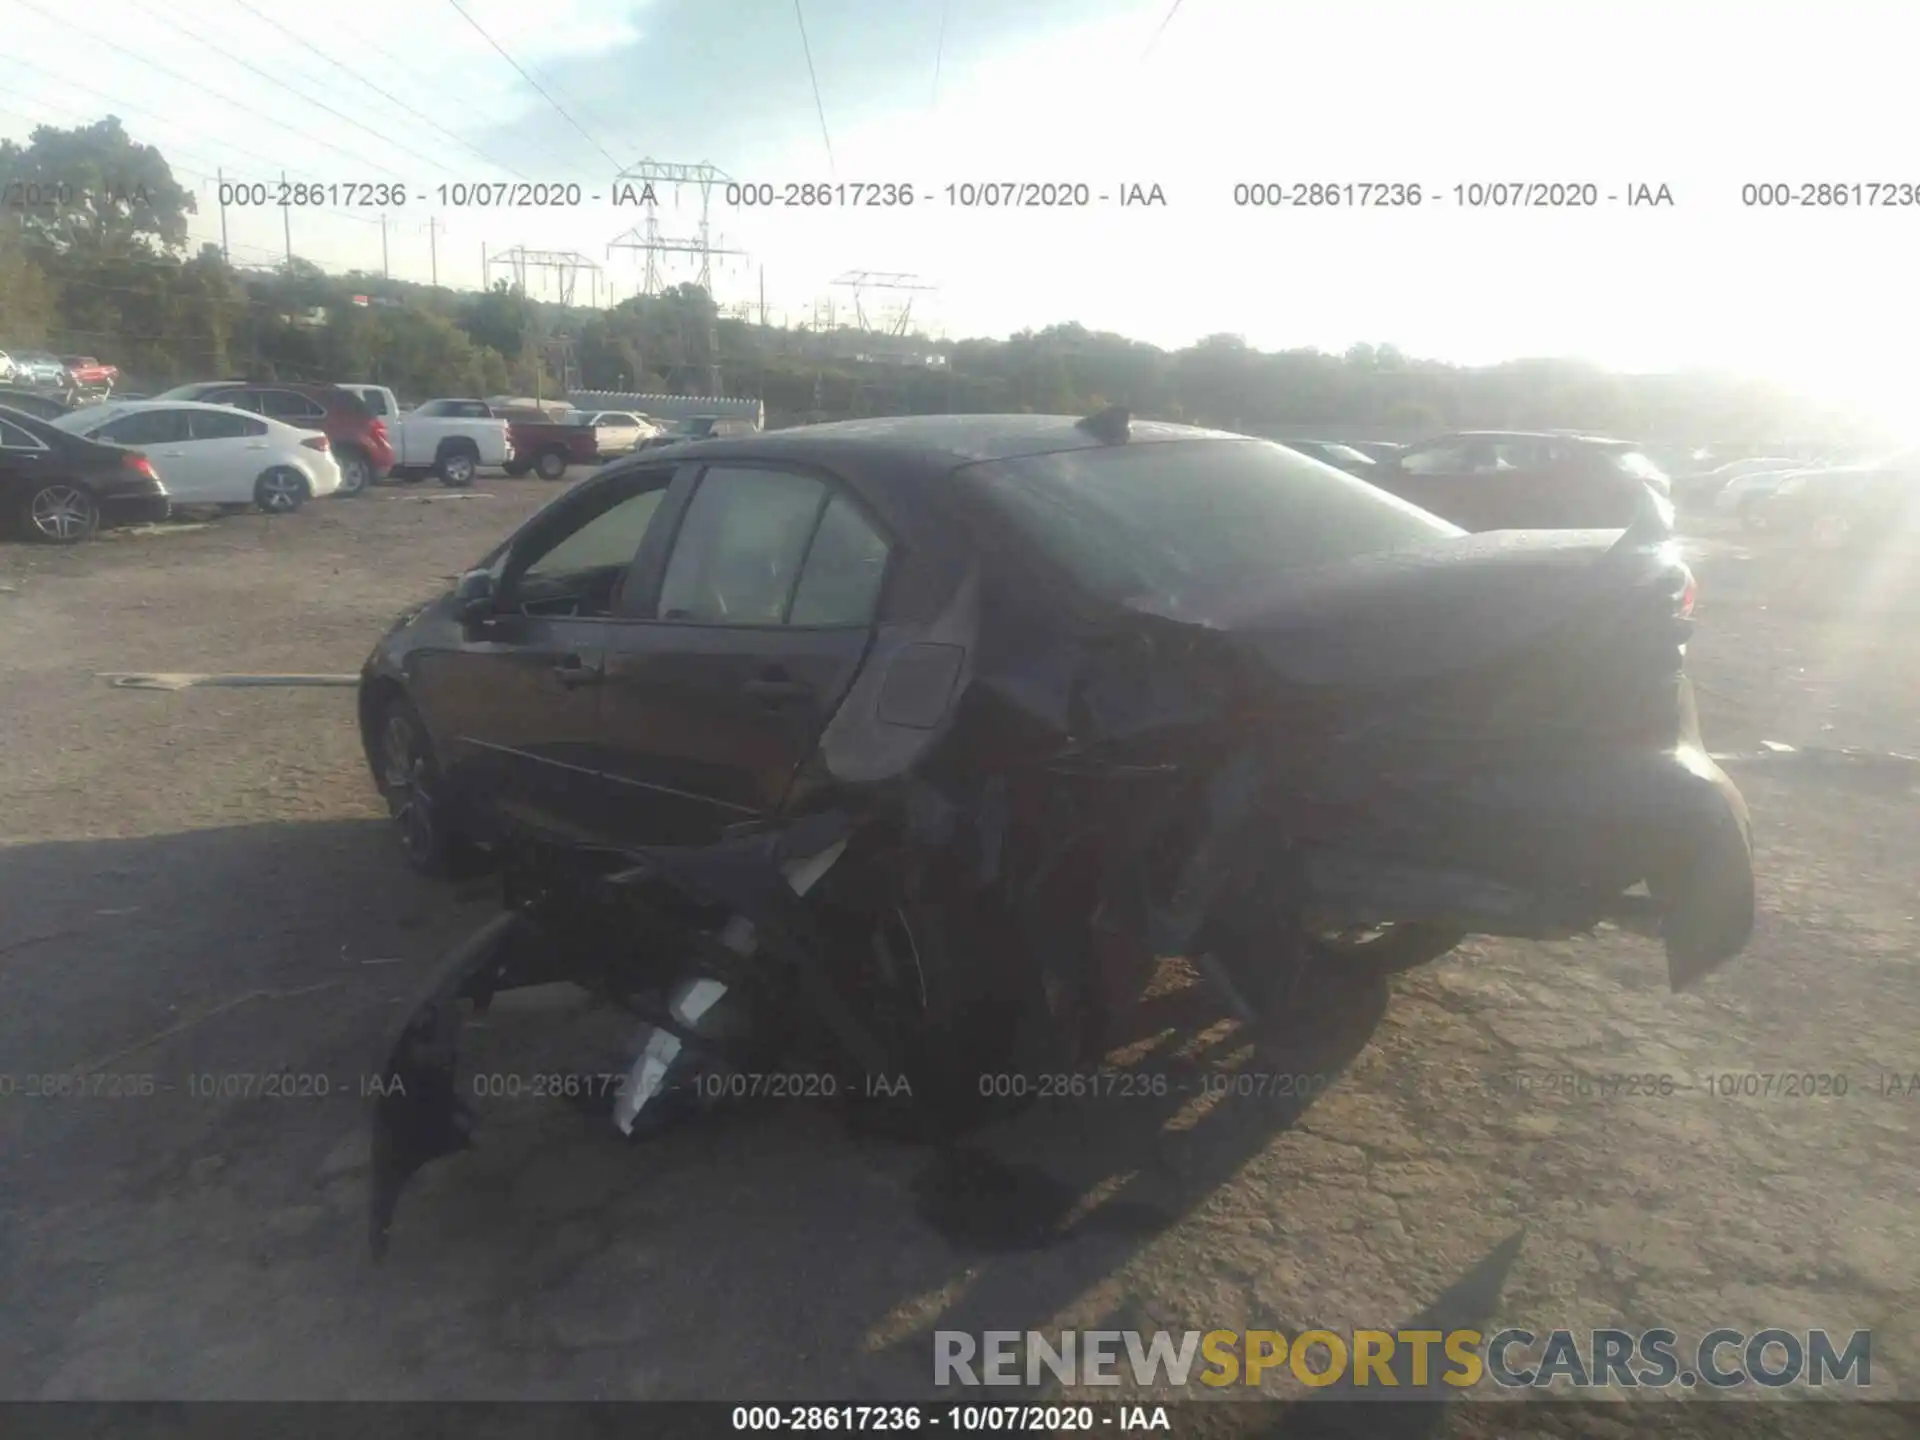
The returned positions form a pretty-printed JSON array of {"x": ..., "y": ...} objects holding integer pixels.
[{"x": 201, "y": 883}]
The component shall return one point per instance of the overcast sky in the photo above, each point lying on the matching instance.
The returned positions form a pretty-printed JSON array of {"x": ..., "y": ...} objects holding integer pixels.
[{"x": 1701, "y": 97}]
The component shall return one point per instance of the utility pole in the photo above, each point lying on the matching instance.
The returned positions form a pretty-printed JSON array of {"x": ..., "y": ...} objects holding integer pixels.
[
  {"x": 433, "y": 248},
  {"x": 486, "y": 275},
  {"x": 286, "y": 221},
  {"x": 385, "y": 272},
  {"x": 763, "y": 297},
  {"x": 220, "y": 180}
]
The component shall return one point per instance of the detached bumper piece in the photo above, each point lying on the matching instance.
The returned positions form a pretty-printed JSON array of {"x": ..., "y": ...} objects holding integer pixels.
[{"x": 706, "y": 948}]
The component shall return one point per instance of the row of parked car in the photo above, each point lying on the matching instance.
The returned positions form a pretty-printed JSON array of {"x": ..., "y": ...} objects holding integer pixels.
[
  {"x": 73, "y": 376},
  {"x": 277, "y": 445}
]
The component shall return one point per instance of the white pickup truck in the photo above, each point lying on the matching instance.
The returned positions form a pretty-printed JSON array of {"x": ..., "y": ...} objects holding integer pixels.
[{"x": 448, "y": 438}]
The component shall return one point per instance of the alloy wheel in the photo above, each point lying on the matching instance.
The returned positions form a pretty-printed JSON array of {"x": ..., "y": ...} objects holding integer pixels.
[
  {"x": 354, "y": 474},
  {"x": 281, "y": 491},
  {"x": 63, "y": 513}
]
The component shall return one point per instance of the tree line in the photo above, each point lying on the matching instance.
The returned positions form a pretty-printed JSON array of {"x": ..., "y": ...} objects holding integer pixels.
[{"x": 95, "y": 258}]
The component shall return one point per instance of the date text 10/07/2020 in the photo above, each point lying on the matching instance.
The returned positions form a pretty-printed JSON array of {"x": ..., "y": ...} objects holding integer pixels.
[
  {"x": 1464, "y": 195},
  {"x": 1024, "y": 1419}
]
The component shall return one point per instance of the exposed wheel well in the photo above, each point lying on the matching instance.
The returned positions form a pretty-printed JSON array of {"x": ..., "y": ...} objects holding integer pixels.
[{"x": 456, "y": 445}]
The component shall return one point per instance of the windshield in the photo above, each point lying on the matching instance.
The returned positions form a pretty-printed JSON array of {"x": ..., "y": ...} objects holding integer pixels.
[{"x": 1156, "y": 524}]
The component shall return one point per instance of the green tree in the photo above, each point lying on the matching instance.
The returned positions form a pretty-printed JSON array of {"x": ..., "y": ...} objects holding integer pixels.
[{"x": 94, "y": 187}]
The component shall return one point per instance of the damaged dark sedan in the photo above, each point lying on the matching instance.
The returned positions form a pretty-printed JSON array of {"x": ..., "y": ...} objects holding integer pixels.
[{"x": 921, "y": 740}]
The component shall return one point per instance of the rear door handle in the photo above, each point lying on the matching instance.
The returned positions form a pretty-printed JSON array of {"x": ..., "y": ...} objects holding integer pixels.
[{"x": 573, "y": 672}]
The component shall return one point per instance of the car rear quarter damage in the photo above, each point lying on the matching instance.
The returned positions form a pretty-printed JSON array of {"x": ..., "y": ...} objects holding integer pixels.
[{"x": 1022, "y": 803}]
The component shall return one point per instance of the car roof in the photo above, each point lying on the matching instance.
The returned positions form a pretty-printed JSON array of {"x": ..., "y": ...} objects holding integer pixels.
[
  {"x": 929, "y": 441},
  {"x": 1577, "y": 436},
  {"x": 111, "y": 404}
]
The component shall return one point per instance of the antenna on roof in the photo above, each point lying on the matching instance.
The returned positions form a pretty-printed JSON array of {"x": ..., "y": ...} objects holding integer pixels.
[{"x": 1110, "y": 426}]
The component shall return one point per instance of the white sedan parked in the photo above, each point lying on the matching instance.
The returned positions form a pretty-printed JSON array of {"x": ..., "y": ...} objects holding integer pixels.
[{"x": 215, "y": 454}]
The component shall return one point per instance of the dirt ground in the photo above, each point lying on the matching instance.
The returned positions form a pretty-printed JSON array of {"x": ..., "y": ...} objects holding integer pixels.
[{"x": 201, "y": 883}]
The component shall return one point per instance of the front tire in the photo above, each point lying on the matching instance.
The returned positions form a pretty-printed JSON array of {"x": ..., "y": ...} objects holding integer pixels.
[
  {"x": 551, "y": 465},
  {"x": 411, "y": 783},
  {"x": 61, "y": 513},
  {"x": 280, "y": 491}
]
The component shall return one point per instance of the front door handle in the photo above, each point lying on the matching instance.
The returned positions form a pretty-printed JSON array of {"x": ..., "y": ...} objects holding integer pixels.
[{"x": 573, "y": 672}]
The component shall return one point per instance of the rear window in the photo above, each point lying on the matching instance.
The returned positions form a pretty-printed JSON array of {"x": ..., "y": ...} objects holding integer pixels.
[{"x": 1157, "y": 523}]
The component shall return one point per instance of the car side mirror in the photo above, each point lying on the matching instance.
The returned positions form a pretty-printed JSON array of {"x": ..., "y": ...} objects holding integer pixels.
[{"x": 474, "y": 597}]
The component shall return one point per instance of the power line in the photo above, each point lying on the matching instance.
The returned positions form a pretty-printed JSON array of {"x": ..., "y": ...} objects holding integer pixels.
[
  {"x": 359, "y": 78},
  {"x": 939, "y": 52},
  {"x": 119, "y": 105},
  {"x": 199, "y": 85},
  {"x": 282, "y": 84},
  {"x": 534, "y": 83},
  {"x": 819, "y": 109},
  {"x": 1172, "y": 10}
]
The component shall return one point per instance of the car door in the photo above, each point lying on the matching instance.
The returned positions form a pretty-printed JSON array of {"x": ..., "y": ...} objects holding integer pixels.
[
  {"x": 719, "y": 684},
  {"x": 26, "y": 463},
  {"x": 1518, "y": 485},
  {"x": 236, "y": 448},
  {"x": 163, "y": 436},
  {"x": 515, "y": 707}
]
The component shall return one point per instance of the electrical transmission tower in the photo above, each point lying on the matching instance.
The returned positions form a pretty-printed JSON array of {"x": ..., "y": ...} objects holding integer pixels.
[
  {"x": 564, "y": 265},
  {"x": 654, "y": 246},
  {"x": 646, "y": 237},
  {"x": 900, "y": 316}
]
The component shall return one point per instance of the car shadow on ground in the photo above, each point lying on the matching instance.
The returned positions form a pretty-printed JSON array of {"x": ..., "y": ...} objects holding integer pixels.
[{"x": 168, "y": 975}]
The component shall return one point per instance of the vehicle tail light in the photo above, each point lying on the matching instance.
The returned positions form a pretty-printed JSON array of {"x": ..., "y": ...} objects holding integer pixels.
[
  {"x": 315, "y": 442},
  {"x": 140, "y": 465},
  {"x": 1689, "y": 592},
  {"x": 379, "y": 430}
]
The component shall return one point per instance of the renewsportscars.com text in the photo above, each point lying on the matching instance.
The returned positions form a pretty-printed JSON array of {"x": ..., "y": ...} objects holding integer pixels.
[{"x": 1390, "y": 1359}]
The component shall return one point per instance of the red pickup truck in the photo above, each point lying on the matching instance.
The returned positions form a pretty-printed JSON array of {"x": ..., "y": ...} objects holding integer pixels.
[
  {"x": 544, "y": 445},
  {"x": 88, "y": 375}
]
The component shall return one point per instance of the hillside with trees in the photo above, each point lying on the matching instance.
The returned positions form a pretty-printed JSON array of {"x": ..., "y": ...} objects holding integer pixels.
[{"x": 107, "y": 269}]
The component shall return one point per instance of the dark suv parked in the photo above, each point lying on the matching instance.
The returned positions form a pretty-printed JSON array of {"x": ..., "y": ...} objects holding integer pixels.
[
  {"x": 358, "y": 436},
  {"x": 1524, "y": 480}
]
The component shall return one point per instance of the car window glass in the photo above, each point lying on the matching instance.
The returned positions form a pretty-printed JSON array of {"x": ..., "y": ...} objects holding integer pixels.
[
  {"x": 290, "y": 406},
  {"x": 1448, "y": 459},
  {"x": 239, "y": 399},
  {"x": 840, "y": 582},
  {"x": 740, "y": 547},
  {"x": 472, "y": 410},
  {"x": 13, "y": 437},
  {"x": 144, "y": 427},
  {"x": 219, "y": 425},
  {"x": 376, "y": 401},
  {"x": 1512, "y": 455},
  {"x": 608, "y": 537}
]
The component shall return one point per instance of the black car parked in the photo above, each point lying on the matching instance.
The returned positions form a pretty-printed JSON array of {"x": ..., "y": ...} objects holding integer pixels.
[
  {"x": 60, "y": 489},
  {"x": 941, "y": 729},
  {"x": 1331, "y": 452},
  {"x": 1520, "y": 480},
  {"x": 33, "y": 402}
]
